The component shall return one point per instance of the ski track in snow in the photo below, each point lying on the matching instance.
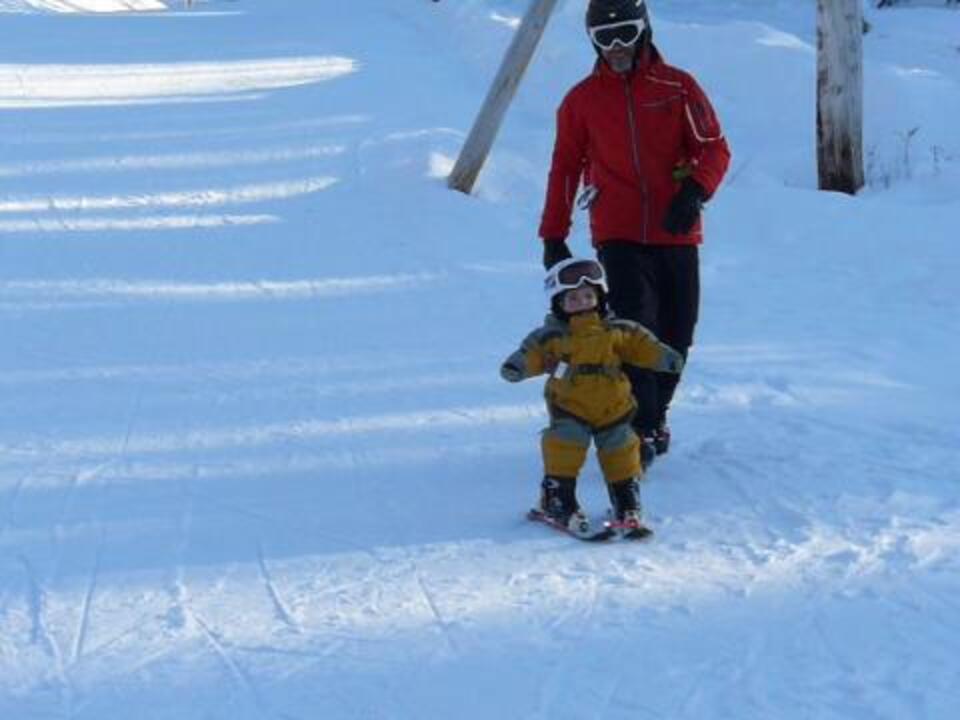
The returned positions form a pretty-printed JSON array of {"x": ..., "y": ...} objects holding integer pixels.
[{"x": 283, "y": 614}]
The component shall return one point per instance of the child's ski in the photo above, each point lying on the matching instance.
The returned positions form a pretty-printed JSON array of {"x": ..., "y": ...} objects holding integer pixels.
[
  {"x": 607, "y": 533},
  {"x": 629, "y": 531}
]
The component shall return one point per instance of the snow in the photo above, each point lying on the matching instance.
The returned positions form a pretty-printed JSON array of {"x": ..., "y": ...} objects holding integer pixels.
[
  {"x": 256, "y": 460},
  {"x": 28, "y": 86},
  {"x": 84, "y": 6}
]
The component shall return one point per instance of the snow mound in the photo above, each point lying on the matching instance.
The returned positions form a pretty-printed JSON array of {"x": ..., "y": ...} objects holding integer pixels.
[
  {"x": 24, "y": 86},
  {"x": 80, "y": 6}
]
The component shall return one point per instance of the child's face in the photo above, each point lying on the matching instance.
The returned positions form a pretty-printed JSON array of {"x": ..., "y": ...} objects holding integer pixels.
[{"x": 579, "y": 299}]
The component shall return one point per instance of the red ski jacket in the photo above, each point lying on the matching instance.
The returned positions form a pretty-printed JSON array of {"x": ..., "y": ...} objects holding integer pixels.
[{"x": 632, "y": 138}]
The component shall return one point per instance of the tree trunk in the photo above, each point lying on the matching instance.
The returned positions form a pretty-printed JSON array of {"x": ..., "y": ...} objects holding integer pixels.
[
  {"x": 485, "y": 127},
  {"x": 840, "y": 95}
]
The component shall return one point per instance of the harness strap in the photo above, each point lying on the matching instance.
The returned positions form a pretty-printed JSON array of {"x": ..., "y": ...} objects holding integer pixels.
[
  {"x": 559, "y": 412},
  {"x": 611, "y": 371}
]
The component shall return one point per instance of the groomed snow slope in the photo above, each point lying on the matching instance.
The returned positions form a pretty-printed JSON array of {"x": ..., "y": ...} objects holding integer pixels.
[{"x": 255, "y": 457}]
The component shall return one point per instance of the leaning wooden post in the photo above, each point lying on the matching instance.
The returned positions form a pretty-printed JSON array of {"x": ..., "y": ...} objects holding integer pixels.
[
  {"x": 840, "y": 95},
  {"x": 485, "y": 127}
]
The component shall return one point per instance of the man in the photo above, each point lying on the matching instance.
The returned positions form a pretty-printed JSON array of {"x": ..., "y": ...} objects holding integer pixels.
[{"x": 646, "y": 144}]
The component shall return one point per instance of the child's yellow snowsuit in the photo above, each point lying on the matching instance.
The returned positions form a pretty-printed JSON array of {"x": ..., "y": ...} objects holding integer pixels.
[{"x": 588, "y": 395}]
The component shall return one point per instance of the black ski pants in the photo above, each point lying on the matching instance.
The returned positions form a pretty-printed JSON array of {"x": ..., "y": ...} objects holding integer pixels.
[{"x": 657, "y": 286}]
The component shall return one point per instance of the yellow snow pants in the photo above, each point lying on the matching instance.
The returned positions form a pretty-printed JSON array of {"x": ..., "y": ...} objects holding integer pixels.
[{"x": 566, "y": 440}]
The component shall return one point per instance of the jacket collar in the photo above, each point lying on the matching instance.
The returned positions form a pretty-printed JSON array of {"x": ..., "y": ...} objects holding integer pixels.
[{"x": 584, "y": 321}]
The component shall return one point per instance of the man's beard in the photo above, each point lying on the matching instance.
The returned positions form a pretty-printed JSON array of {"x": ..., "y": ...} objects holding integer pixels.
[{"x": 621, "y": 62}]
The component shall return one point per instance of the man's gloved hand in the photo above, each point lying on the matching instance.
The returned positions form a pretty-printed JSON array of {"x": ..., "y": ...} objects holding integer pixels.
[
  {"x": 685, "y": 207},
  {"x": 554, "y": 250}
]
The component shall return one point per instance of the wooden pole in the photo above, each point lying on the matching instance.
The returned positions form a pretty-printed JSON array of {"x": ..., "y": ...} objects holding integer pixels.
[
  {"x": 485, "y": 127},
  {"x": 840, "y": 95}
]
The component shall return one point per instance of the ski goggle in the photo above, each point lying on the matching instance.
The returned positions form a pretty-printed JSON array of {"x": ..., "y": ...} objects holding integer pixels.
[
  {"x": 625, "y": 34},
  {"x": 574, "y": 273}
]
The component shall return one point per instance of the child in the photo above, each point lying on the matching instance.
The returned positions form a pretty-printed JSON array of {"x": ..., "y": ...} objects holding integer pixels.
[{"x": 587, "y": 393}]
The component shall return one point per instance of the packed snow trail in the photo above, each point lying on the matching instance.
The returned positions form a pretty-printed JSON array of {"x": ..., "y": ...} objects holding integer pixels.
[{"x": 255, "y": 457}]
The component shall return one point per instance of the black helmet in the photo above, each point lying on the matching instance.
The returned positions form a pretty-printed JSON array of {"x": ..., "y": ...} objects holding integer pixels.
[
  {"x": 607, "y": 12},
  {"x": 604, "y": 12}
]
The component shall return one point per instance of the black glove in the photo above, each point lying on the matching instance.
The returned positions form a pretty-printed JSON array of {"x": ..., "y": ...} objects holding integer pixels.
[
  {"x": 554, "y": 250},
  {"x": 685, "y": 207}
]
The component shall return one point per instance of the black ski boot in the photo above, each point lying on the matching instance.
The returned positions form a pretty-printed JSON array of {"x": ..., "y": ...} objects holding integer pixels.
[
  {"x": 558, "y": 501},
  {"x": 661, "y": 439},
  {"x": 648, "y": 447},
  {"x": 625, "y": 497},
  {"x": 648, "y": 451}
]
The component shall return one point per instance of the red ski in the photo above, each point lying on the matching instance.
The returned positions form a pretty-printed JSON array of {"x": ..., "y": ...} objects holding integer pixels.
[{"x": 607, "y": 533}]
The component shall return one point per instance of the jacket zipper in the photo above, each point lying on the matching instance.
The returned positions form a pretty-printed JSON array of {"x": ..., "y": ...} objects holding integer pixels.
[{"x": 632, "y": 122}]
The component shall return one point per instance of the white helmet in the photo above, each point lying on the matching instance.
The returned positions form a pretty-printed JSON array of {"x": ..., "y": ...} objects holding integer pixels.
[{"x": 572, "y": 273}]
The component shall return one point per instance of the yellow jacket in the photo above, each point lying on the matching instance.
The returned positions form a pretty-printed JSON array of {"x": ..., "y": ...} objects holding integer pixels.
[{"x": 584, "y": 358}]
